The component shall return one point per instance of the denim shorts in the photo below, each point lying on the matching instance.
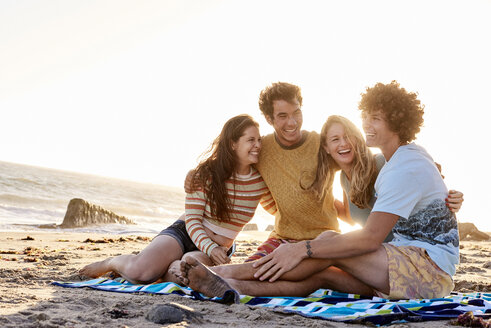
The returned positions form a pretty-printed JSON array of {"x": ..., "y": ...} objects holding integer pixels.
[{"x": 177, "y": 230}]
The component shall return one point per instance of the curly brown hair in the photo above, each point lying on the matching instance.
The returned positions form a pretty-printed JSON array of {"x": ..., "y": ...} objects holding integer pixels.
[
  {"x": 218, "y": 164},
  {"x": 278, "y": 91},
  {"x": 402, "y": 110}
]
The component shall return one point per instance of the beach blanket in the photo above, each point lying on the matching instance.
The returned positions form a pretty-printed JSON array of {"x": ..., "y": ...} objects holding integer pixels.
[{"x": 323, "y": 303}]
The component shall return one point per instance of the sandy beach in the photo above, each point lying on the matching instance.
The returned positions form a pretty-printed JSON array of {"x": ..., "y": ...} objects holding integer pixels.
[{"x": 29, "y": 262}]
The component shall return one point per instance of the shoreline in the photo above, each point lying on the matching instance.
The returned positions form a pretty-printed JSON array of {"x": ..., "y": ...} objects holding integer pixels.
[{"x": 27, "y": 298}]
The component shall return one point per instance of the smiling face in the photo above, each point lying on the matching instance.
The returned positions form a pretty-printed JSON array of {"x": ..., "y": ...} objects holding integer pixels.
[
  {"x": 339, "y": 146},
  {"x": 287, "y": 121},
  {"x": 247, "y": 149},
  {"x": 378, "y": 134}
]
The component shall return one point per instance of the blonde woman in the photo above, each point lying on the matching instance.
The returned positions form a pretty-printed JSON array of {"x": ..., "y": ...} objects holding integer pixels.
[{"x": 343, "y": 148}]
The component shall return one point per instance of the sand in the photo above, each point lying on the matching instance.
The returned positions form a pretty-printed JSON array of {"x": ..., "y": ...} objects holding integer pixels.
[{"x": 27, "y": 298}]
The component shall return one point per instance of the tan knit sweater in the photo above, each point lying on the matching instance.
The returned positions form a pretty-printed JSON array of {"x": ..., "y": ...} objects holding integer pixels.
[{"x": 300, "y": 215}]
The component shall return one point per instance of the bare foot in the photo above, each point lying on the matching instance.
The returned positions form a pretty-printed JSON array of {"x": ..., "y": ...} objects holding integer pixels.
[
  {"x": 202, "y": 279},
  {"x": 174, "y": 273},
  {"x": 96, "y": 269}
]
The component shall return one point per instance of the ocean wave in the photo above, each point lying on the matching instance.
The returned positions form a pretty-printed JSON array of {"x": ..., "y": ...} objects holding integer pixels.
[
  {"x": 32, "y": 201},
  {"x": 32, "y": 195},
  {"x": 154, "y": 212},
  {"x": 24, "y": 180},
  {"x": 6, "y": 211},
  {"x": 8, "y": 198},
  {"x": 115, "y": 229}
]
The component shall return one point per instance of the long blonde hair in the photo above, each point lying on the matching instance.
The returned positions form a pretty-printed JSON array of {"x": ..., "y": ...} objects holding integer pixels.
[{"x": 363, "y": 170}]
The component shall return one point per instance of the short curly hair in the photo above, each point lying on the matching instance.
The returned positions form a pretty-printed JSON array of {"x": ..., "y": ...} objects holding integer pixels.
[
  {"x": 278, "y": 91},
  {"x": 402, "y": 110}
]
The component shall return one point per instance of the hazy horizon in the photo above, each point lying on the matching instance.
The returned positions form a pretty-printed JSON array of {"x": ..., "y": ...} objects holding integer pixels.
[
  {"x": 138, "y": 90},
  {"x": 260, "y": 212}
]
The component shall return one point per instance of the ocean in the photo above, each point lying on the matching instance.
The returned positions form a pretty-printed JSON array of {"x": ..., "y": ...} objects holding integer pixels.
[{"x": 31, "y": 196}]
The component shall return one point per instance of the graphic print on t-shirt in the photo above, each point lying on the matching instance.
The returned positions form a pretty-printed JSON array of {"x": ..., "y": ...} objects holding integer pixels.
[{"x": 435, "y": 224}]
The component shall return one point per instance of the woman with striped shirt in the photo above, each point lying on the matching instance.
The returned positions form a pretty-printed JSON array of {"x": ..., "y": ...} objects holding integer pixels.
[{"x": 215, "y": 214}]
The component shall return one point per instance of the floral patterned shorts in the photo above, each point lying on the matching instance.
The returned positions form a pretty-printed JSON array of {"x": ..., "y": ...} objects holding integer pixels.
[{"x": 413, "y": 274}]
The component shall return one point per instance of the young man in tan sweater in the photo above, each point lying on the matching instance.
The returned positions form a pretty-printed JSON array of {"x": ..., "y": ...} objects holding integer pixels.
[{"x": 288, "y": 160}]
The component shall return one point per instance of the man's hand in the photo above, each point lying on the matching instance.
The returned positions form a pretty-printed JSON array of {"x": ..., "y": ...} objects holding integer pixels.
[
  {"x": 281, "y": 260},
  {"x": 439, "y": 167},
  {"x": 219, "y": 255},
  {"x": 454, "y": 200}
]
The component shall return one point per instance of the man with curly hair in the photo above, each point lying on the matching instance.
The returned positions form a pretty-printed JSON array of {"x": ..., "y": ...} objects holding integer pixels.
[
  {"x": 418, "y": 263},
  {"x": 402, "y": 110}
]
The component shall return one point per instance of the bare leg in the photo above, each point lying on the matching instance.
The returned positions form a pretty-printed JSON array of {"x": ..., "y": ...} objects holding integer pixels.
[
  {"x": 146, "y": 267},
  {"x": 371, "y": 268},
  {"x": 200, "y": 256},
  {"x": 305, "y": 269},
  {"x": 242, "y": 271},
  {"x": 358, "y": 274},
  {"x": 278, "y": 288},
  {"x": 202, "y": 279},
  {"x": 331, "y": 277},
  {"x": 245, "y": 271},
  {"x": 341, "y": 281},
  {"x": 173, "y": 273}
]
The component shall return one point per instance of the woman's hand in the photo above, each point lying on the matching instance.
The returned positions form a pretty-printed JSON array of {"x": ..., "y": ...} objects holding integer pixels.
[
  {"x": 454, "y": 200},
  {"x": 281, "y": 260},
  {"x": 219, "y": 239},
  {"x": 219, "y": 255}
]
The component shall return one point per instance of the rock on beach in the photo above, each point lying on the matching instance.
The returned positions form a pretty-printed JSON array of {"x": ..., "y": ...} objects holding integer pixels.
[
  {"x": 468, "y": 231},
  {"x": 81, "y": 213}
]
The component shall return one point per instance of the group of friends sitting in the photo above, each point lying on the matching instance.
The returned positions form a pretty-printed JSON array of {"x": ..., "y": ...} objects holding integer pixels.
[{"x": 408, "y": 244}]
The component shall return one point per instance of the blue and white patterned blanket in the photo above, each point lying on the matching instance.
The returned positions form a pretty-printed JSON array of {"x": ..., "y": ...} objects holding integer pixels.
[{"x": 324, "y": 303}]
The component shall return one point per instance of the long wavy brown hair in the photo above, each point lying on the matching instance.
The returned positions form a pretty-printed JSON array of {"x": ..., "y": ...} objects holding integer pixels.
[
  {"x": 218, "y": 164},
  {"x": 363, "y": 170}
]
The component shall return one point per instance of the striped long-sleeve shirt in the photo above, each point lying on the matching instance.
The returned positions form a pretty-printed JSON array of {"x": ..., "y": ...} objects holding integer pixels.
[{"x": 245, "y": 193}]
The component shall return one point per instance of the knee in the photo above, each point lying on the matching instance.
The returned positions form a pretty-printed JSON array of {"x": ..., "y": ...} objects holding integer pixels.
[
  {"x": 200, "y": 256},
  {"x": 329, "y": 276},
  {"x": 187, "y": 255},
  {"x": 137, "y": 273},
  {"x": 203, "y": 258}
]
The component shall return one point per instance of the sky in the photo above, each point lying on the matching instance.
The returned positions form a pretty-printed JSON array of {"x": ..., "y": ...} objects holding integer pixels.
[{"x": 138, "y": 89}]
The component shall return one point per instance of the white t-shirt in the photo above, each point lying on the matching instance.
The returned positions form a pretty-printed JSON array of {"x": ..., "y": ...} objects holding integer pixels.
[
  {"x": 360, "y": 215},
  {"x": 410, "y": 186}
]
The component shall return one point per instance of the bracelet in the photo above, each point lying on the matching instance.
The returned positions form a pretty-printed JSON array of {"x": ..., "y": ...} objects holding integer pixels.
[{"x": 309, "y": 248}]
